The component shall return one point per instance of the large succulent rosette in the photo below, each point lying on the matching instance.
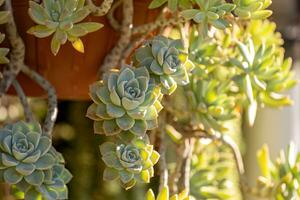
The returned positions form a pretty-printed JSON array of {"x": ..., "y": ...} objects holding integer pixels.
[
  {"x": 165, "y": 61},
  {"x": 126, "y": 100},
  {"x": 130, "y": 163},
  {"x": 27, "y": 159},
  {"x": 62, "y": 18}
]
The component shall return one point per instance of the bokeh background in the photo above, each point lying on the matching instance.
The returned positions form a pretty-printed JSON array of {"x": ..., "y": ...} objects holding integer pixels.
[{"x": 73, "y": 134}]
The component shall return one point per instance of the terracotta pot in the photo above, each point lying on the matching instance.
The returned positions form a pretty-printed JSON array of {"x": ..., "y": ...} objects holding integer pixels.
[{"x": 70, "y": 72}]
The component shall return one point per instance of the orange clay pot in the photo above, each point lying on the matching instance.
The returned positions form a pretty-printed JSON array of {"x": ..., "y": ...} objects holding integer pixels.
[{"x": 70, "y": 72}]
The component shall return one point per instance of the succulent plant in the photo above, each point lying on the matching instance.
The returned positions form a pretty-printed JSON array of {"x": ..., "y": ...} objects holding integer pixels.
[
  {"x": 30, "y": 163},
  {"x": 252, "y": 9},
  {"x": 54, "y": 185},
  {"x": 130, "y": 163},
  {"x": 166, "y": 63},
  {"x": 126, "y": 100},
  {"x": 263, "y": 73},
  {"x": 164, "y": 195},
  {"x": 24, "y": 154},
  {"x": 61, "y": 18},
  {"x": 211, "y": 12},
  {"x": 280, "y": 179},
  {"x": 205, "y": 104}
]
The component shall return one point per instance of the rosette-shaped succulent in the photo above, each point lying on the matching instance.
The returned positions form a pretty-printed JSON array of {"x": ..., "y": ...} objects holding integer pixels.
[
  {"x": 24, "y": 154},
  {"x": 166, "y": 63},
  {"x": 54, "y": 184},
  {"x": 212, "y": 12},
  {"x": 129, "y": 162},
  {"x": 126, "y": 100},
  {"x": 62, "y": 18}
]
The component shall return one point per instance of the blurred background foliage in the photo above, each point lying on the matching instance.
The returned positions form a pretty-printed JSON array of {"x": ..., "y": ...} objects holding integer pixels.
[{"x": 213, "y": 164}]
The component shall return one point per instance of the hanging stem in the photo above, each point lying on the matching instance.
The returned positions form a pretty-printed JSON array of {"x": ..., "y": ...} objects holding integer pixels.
[
  {"x": 113, "y": 58},
  {"x": 102, "y": 9},
  {"x": 111, "y": 18},
  {"x": 17, "y": 54},
  {"x": 27, "y": 111},
  {"x": 159, "y": 23},
  {"x": 163, "y": 167},
  {"x": 184, "y": 183},
  {"x": 52, "y": 99}
]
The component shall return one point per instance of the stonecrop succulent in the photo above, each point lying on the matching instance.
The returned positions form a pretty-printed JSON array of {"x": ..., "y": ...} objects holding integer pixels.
[
  {"x": 166, "y": 63},
  {"x": 63, "y": 18},
  {"x": 204, "y": 104},
  {"x": 211, "y": 12},
  {"x": 280, "y": 180},
  {"x": 130, "y": 163},
  {"x": 28, "y": 161},
  {"x": 252, "y": 9},
  {"x": 126, "y": 100},
  {"x": 262, "y": 73}
]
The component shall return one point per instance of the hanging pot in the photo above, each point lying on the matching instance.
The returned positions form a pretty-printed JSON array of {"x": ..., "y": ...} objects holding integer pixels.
[{"x": 71, "y": 72}]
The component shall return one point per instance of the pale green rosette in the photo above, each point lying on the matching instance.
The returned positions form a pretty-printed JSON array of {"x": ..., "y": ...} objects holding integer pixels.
[
  {"x": 61, "y": 18},
  {"x": 130, "y": 163},
  {"x": 167, "y": 64},
  {"x": 126, "y": 100}
]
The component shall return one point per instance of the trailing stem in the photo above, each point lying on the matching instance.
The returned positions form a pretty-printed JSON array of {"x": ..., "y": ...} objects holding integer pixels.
[{"x": 17, "y": 54}]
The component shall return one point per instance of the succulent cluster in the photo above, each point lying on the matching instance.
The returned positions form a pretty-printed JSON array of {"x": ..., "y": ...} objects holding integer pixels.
[
  {"x": 130, "y": 163},
  {"x": 213, "y": 172},
  {"x": 63, "y": 19},
  {"x": 164, "y": 195},
  {"x": 4, "y": 15},
  {"x": 210, "y": 13},
  {"x": 280, "y": 179},
  {"x": 127, "y": 103},
  {"x": 252, "y": 9},
  {"x": 29, "y": 162},
  {"x": 166, "y": 63},
  {"x": 261, "y": 75},
  {"x": 126, "y": 100}
]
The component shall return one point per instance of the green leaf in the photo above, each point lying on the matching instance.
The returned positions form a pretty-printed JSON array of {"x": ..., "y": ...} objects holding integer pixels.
[
  {"x": 164, "y": 194},
  {"x": 139, "y": 128},
  {"x": 264, "y": 161},
  {"x": 110, "y": 127},
  {"x": 150, "y": 195},
  {"x": 156, "y": 3},
  {"x": 190, "y": 13},
  {"x": 11, "y": 176},
  {"x": 173, "y": 133},
  {"x": 125, "y": 122},
  {"x": 145, "y": 176},
  {"x": 126, "y": 176},
  {"x": 172, "y": 4},
  {"x": 110, "y": 174},
  {"x": 35, "y": 178}
]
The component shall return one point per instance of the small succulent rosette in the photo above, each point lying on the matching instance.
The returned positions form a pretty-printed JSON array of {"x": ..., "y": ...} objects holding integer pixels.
[
  {"x": 130, "y": 163},
  {"x": 165, "y": 62},
  {"x": 164, "y": 194},
  {"x": 126, "y": 100},
  {"x": 63, "y": 18},
  {"x": 28, "y": 161}
]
